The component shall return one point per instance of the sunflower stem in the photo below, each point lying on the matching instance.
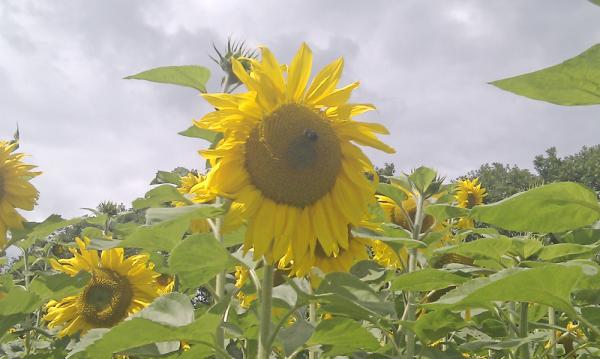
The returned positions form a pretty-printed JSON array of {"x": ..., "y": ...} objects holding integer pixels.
[
  {"x": 312, "y": 318},
  {"x": 220, "y": 281},
  {"x": 552, "y": 321},
  {"x": 411, "y": 304},
  {"x": 264, "y": 347},
  {"x": 524, "y": 330}
]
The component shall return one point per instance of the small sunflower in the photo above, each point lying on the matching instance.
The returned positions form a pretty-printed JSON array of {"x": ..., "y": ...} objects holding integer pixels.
[
  {"x": 193, "y": 186},
  {"x": 118, "y": 287},
  {"x": 469, "y": 193},
  {"x": 289, "y": 156},
  {"x": 15, "y": 189},
  {"x": 241, "y": 278},
  {"x": 403, "y": 214},
  {"x": 385, "y": 256}
]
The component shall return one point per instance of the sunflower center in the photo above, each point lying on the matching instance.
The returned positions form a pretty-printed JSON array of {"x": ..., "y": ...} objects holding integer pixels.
[
  {"x": 105, "y": 300},
  {"x": 471, "y": 200},
  {"x": 293, "y": 156}
]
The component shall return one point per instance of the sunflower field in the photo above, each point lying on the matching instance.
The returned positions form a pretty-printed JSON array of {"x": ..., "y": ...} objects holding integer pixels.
[{"x": 292, "y": 245}]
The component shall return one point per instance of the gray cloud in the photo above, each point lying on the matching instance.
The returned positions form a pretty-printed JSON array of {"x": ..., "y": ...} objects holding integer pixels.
[{"x": 424, "y": 64}]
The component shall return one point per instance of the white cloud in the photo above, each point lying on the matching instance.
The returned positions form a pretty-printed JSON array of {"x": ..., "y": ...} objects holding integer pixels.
[{"x": 424, "y": 64}]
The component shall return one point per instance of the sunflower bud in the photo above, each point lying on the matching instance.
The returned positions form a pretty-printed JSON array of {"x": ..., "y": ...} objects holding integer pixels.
[{"x": 236, "y": 50}]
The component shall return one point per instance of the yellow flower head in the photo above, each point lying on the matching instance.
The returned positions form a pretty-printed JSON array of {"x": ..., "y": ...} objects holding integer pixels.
[
  {"x": 15, "y": 189},
  {"x": 403, "y": 214},
  {"x": 119, "y": 287},
  {"x": 385, "y": 256},
  {"x": 469, "y": 193},
  {"x": 289, "y": 156},
  {"x": 165, "y": 283},
  {"x": 194, "y": 187}
]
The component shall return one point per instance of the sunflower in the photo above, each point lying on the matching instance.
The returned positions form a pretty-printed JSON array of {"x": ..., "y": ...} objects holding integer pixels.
[
  {"x": 403, "y": 214},
  {"x": 241, "y": 278},
  {"x": 469, "y": 193},
  {"x": 15, "y": 189},
  {"x": 118, "y": 287},
  {"x": 288, "y": 156},
  {"x": 194, "y": 187},
  {"x": 386, "y": 256}
]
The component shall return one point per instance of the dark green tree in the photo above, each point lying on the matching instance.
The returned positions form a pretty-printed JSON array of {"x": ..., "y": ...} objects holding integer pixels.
[
  {"x": 501, "y": 180},
  {"x": 582, "y": 167}
]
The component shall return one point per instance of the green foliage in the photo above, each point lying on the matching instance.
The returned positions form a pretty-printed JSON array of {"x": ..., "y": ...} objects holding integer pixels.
[
  {"x": 571, "y": 83},
  {"x": 582, "y": 167},
  {"x": 189, "y": 76},
  {"x": 501, "y": 181},
  {"x": 342, "y": 336}
]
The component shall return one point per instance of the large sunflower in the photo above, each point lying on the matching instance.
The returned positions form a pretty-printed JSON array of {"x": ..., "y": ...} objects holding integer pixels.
[
  {"x": 118, "y": 287},
  {"x": 288, "y": 156},
  {"x": 15, "y": 189}
]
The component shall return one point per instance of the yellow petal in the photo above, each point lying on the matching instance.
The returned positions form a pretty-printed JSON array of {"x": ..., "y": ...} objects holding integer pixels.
[{"x": 299, "y": 73}]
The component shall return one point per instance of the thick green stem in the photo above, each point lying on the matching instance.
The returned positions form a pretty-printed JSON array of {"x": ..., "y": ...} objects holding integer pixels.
[
  {"x": 524, "y": 330},
  {"x": 264, "y": 347},
  {"x": 411, "y": 302},
  {"x": 552, "y": 321},
  {"x": 220, "y": 281}
]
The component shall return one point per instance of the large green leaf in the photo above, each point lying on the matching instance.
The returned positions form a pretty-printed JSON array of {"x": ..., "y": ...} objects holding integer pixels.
[
  {"x": 190, "y": 76},
  {"x": 444, "y": 211},
  {"x": 342, "y": 336},
  {"x": 161, "y": 236},
  {"x": 199, "y": 258},
  {"x": 426, "y": 279},
  {"x": 391, "y": 191},
  {"x": 595, "y": 2},
  {"x": 169, "y": 318},
  {"x": 573, "y": 82},
  {"x": 519, "y": 285},
  {"x": 195, "y": 211},
  {"x": 556, "y": 207}
]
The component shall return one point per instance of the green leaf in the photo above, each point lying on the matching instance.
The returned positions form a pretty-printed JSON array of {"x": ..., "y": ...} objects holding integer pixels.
[
  {"x": 294, "y": 336},
  {"x": 582, "y": 236},
  {"x": 190, "y": 76},
  {"x": 164, "y": 177},
  {"x": 195, "y": 211},
  {"x": 556, "y": 207},
  {"x": 595, "y": 2},
  {"x": 161, "y": 236},
  {"x": 526, "y": 247},
  {"x": 427, "y": 279},
  {"x": 492, "y": 248},
  {"x": 571, "y": 83},
  {"x": 17, "y": 301},
  {"x": 502, "y": 344},
  {"x": 591, "y": 314},
  {"x": 58, "y": 286},
  {"x": 435, "y": 325},
  {"x": 391, "y": 191},
  {"x": 342, "y": 336},
  {"x": 564, "y": 251},
  {"x": 167, "y": 319},
  {"x": 519, "y": 285},
  {"x": 199, "y": 258},
  {"x": 443, "y": 212},
  {"x": 197, "y": 132},
  {"x": 422, "y": 178},
  {"x": 35, "y": 231},
  {"x": 342, "y": 293},
  {"x": 158, "y": 196}
]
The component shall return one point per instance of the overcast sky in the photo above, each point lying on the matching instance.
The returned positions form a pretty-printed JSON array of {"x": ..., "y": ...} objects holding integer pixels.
[{"x": 424, "y": 64}]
